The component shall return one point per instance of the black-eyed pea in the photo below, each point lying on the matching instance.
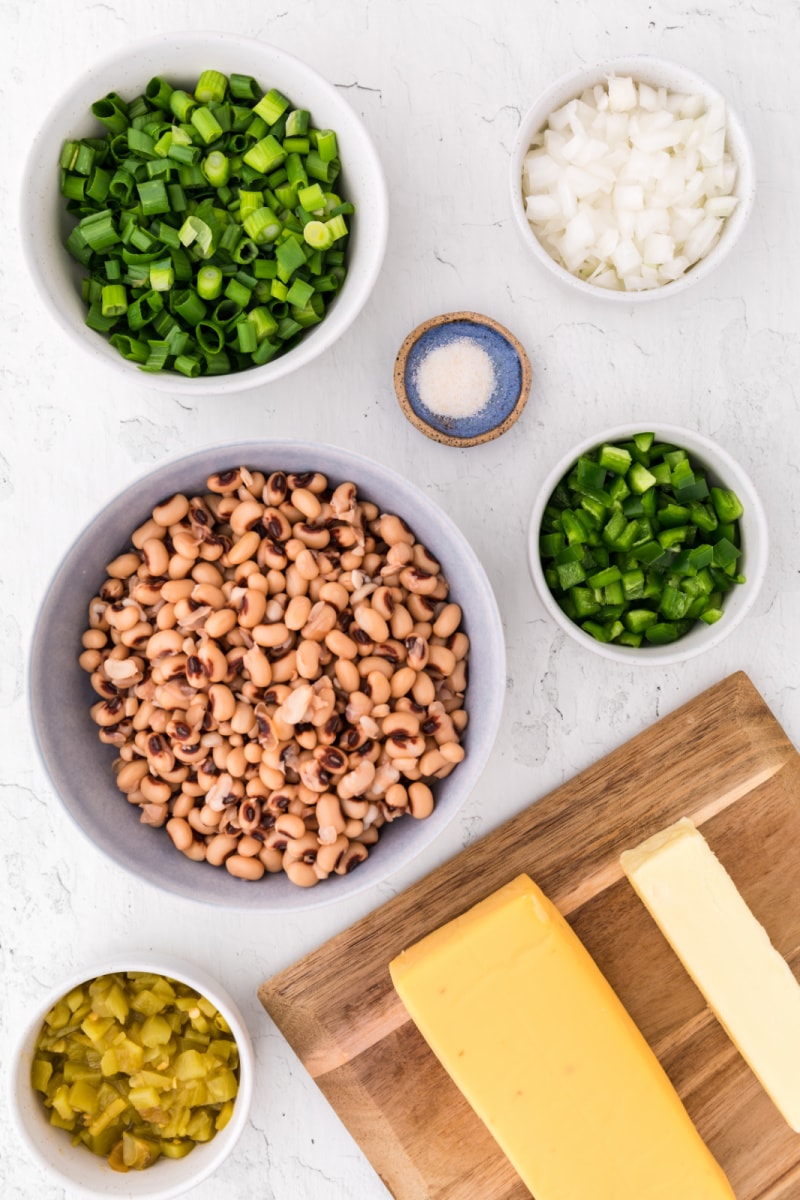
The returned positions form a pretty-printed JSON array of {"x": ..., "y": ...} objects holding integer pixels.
[
  {"x": 171, "y": 511},
  {"x": 432, "y": 761},
  {"x": 90, "y": 660},
  {"x": 303, "y": 849},
  {"x": 297, "y": 613},
  {"x": 252, "y": 607},
  {"x": 253, "y": 753},
  {"x": 275, "y": 489},
  {"x": 347, "y": 675},
  {"x": 307, "y": 659},
  {"x": 220, "y": 623},
  {"x": 380, "y": 688},
  {"x": 355, "y": 853},
  {"x": 371, "y": 834},
  {"x": 271, "y": 777},
  {"x": 243, "y": 719},
  {"x": 424, "y": 560},
  {"x": 130, "y": 775},
  {"x": 396, "y": 797},
  {"x": 155, "y": 556},
  {"x": 196, "y": 851},
  {"x": 424, "y": 689},
  {"x": 352, "y": 807},
  {"x": 458, "y": 676},
  {"x": 453, "y": 752},
  {"x": 246, "y": 514},
  {"x": 272, "y": 859},
  {"x": 448, "y": 621},
  {"x": 179, "y": 566},
  {"x": 258, "y": 667},
  {"x": 371, "y": 621},
  {"x": 123, "y": 616},
  {"x": 271, "y": 636},
  {"x": 173, "y": 590},
  {"x": 334, "y": 593},
  {"x": 155, "y": 791},
  {"x": 329, "y": 854},
  {"x": 307, "y": 503},
  {"x": 402, "y": 681},
  {"x": 341, "y": 645},
  {"x": 393, "y": 529},
  {"x": 417, "y": 652},
  {"x": 208, "y": 594},
  {"x": 236, "y": 763},
  {"x": 244, "y": 868},
  {"x": 418, "y": 582},
  {"x": 420, "y": 800},
  {"x": 330, "y": 819},
  {"x": 399, "y": 722},
  {"x": 372, "y": 662},
  {"x": 441, "y": 661},
  {"x": 245, "y": 547},
  {"x": 180, "y": 832},
  {"x": 351, "y": 560},
  {"x": 94, "y": 639},
  {"x": 258, "y": 582},
  {"x": 182, "y": 805},
  {"x": 314, "y": 537},
  {"x": 249, "y": 846},
  {"x": 306, "y": 565},
  {"x": 204, "y": 820},
  {"x": 284, "y": 669},
  {"x": 149, "y": 529},
  {"x": 123, "y": 566},
  {"x": 225, "y": 482},
  {"x": 353, "y": 828},
  {"x": 108, "y": 712},
  {"x": 400, "y": 745},
  {"x": 290, "y": 825},
  {"x": 222, "y": 701},
  {"x": 300, "y": 873}
]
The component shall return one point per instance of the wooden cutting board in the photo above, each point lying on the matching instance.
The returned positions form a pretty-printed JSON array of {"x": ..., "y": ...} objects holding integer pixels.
[{"x": 722, "y": 760}]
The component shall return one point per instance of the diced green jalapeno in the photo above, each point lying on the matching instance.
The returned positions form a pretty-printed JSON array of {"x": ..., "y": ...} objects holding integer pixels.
[{"x": 636, "y": 545}]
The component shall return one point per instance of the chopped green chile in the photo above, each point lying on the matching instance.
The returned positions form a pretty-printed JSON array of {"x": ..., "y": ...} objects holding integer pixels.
[
  {"x": 223, "y": 195},
  {"x": 636, "y": 546},
  {"x": 135, "y": 1066}
]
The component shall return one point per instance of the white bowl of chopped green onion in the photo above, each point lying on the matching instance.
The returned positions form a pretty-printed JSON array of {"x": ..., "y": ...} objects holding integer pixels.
[
  {"x": 647, "y": 545},
  {"x": 133, "y": 1077},
  {"x": 204, "y": 212}
]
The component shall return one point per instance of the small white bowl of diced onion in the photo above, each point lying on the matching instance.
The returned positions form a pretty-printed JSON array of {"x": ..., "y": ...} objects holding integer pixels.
[{"x": 631, "y": 179}]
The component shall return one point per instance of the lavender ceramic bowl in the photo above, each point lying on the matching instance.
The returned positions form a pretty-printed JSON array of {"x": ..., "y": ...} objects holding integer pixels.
[{"x": 61, "y": 694}]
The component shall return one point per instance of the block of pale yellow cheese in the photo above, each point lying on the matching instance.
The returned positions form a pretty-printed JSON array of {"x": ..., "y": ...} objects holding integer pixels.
[
  {"x": 519, "y": 1014},
  {"x": 727, "y": 952}
]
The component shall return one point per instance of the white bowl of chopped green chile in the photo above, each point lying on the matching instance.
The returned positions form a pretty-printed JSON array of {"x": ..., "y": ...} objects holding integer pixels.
[
  {"x": 214, "y": 1081},
  {"x": 658, "y": 559},
  {"x": 273, "y": 343}
]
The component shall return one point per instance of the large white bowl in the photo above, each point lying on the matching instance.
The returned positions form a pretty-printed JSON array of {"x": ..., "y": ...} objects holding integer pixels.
[
  {"x": 86, "y": 1174},
  {"x": 180, "y": 58},
  {"x": 659, "y": 73},
  {"x": 60, "y": 692},
  {"x": 724, "y": 471}
]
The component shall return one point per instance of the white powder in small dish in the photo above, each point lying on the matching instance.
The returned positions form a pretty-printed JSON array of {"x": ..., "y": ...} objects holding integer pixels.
[{"x": 456, "y": 379}]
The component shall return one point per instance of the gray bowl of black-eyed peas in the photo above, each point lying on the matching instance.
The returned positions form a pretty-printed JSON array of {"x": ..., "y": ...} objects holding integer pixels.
[{"x": 267, "y": 675}]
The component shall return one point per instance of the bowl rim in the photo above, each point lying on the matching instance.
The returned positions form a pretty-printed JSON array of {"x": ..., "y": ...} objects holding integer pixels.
[
  {"x": 322, "y": 336},
  {"x": 419, "y": 422},
  {"x": 174, "y": 967},
  {"x": 639, "y": 66},
  {"x": 492, "y": 699},
  {"x": 715, "y": 458}
]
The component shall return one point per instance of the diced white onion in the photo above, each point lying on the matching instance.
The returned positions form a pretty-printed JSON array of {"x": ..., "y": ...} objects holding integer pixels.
[{"x": 629, "y": 185}]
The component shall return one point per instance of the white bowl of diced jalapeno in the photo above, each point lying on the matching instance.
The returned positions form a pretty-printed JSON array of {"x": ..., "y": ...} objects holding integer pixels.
[
  {"x": 132, "y": 1078},
  {"x": 228, "y": 213},
  {"x": 647, "y": 545}
]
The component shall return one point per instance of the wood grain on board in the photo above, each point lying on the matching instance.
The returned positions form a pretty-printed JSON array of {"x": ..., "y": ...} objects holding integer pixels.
[{"x": 722, "y": 760}]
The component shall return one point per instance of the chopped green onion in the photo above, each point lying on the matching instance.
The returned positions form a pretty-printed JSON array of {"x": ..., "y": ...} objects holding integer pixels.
[{"x": 220, "y": 199}]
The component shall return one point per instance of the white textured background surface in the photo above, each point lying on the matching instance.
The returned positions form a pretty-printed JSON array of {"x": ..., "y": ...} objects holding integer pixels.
[{"x": 441, "y": 86}]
